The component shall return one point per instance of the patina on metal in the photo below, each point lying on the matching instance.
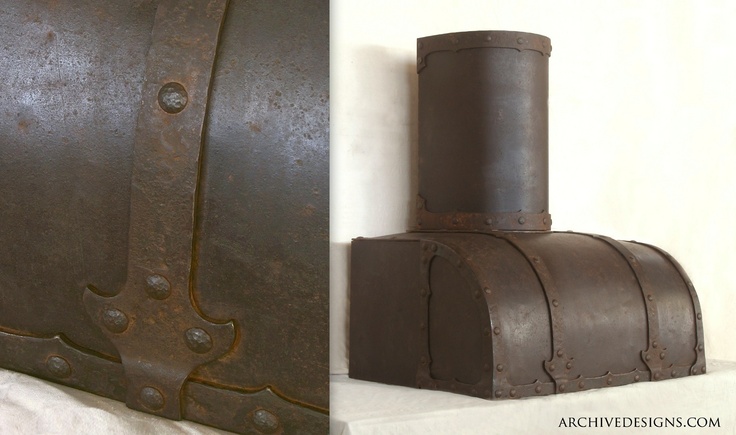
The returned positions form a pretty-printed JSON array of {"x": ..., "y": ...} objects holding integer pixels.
[
  {"x": 481, "y": 298},
  {"x": 163, "y": 193}
]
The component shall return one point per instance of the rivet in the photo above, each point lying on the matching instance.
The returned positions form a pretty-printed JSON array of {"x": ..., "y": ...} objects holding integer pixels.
[
  {"x": 555, "y": 303},
  {"x": 545, "y": 221},
  {"x": 521, "y": 41},
  {"x": 661, "y": 355},
  {"x": 433, "y": 247},
  {"x": 702, "y": 370},
  {"x": 198, "y": 340},
  {"x": 700, "y": 316},
  {"x": 657, "y": 376},
  {"x": 489, "y": 221},
  {"x": 647, "y": 357},
  {"x": 568, "y": 365},
  {"x": 700, "y": 347},
  {"x": 487, "y": 290},
  {"x": 499, "y": 367},
  {"x": 650, "y": 297},
  {"x": 419, "y": 60},
  {"x": 636, "y": 378},
  {"x": 499, "y": 393},
  {"x": 152, "y": 398},
  {"x": 655, "y": 344},
  {"x": 694, "y": 371},
  {"x": 522, "y": 220},
  {"x": 551, "y": 367},
  {"x": 609, "y": 380},
  {"x": 538, "y": 389},
  {"x": 489, "y": 38},
  {"x": 454, "y": 221},
  {"x": 172, "y": 97},
  {"x": 512, "y": 393},
  {"x": 115, "y": 320},
  {"x": 158, "y": 287},
  {"x": 58, "y": 366},
  {"x": 265, "y": 421},
  {"x": 420, "y": 45},
  {"x": 560, "y": 352},
  {"x": 581, "y": 385},
  {"x": 562, "y": 387},
  {"x": 674, "y": 373},
  {"x": 496, "y": 330}
]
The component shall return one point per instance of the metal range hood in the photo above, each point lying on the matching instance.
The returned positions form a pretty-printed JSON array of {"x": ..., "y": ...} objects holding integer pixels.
[{"x": 482, "y": 298}]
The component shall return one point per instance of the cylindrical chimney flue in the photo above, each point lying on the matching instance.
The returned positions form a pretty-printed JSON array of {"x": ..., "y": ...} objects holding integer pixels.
[{"x": 483, "y": 131}]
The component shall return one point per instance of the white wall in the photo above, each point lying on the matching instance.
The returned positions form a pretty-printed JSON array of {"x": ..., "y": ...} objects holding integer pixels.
[{"x": 642, "y": 129}]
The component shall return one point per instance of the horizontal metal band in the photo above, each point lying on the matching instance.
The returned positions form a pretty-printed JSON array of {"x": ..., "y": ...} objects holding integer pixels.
[
  {"x": 481, "y": 39},
  {"x": 480, "y": 222}
]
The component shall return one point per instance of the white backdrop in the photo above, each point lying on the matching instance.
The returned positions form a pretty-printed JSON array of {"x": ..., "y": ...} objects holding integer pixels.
[{"x": 642, "y": 129}]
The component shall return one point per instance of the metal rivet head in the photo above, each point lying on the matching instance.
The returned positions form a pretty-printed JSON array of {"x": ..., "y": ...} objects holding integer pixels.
[
  {"x": 522, "y": 220},
  {"x": 455, "y": 221},
  {"x": 661, "y": 355},
  {"x": 555, "y": 303},
  {"x": 560, "y": 352},
  {"x": 674, "y": 373},
  {"x": 489, "y": 221},
  {"x": 420, "y": 45},
  {"x": 265, "y": 421},
  {"x": 198, "y": 340},
  {"x": 702, "y": 370},
  {"x": 512, "y": 393},
  {"x": 433, "y": 247},
  {"x": 58, "y": 366},
  {"x": 545, "y": 221},
  {"x": 172, "y": 97},
  {"x": 152, "y": 398},
  {"x": 568, "y": 365},
  {"x": 158, "y": 287},
  {"x": 496, "y": 330},
  {"x": 419, "y": 60},
  {"x": 637, "y": 378},
  {"x": 655, "y": 344},
  {"x": 700, "y": 316},
  {"x": 520, "y": 41},
  {"x": 562, "y": 388},
  {"x": 538, "y": 389},
  {"x": 489, "y": 38},
  {"x": 487, "y": 290},
  {"x": 551, "y": 367},
  {"x": 114, "y": 320},
  {"x": 609, "y": 380},
  {"x": 499, "y": 367},
  {"x": 647, "y": 357},
  {"x": 581, "y": 385},
  {"x": 700, "y": 347},
  {"x": 657, "y": 376},
  {"x": 650, "y": 297},
  {"x": 499, "y": 393}
]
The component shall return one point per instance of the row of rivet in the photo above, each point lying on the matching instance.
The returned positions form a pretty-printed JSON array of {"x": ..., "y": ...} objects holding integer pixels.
[{"x": 153, "y": 399}]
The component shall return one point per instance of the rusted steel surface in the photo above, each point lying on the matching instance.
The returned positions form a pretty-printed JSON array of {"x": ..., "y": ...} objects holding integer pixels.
[
  {"x": 481, "y": 298},
  {"x": 483, "y": 130},
  {"x": 509, "y": 315},
  {"x": 170, "y": 157}
]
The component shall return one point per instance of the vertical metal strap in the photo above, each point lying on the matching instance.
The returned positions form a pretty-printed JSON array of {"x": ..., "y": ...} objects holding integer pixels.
[
  {"x": 153, "y": 321},
  {"x": 655, "y": 354},
  {"x": 560, "y": 364}
]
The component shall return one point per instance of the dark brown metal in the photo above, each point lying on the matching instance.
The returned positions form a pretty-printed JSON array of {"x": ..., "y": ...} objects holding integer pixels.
[
  {"x": 170, "y": 156},
  {"x": 483, "y": 131},
  {"x": 481, "y": 299}
]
